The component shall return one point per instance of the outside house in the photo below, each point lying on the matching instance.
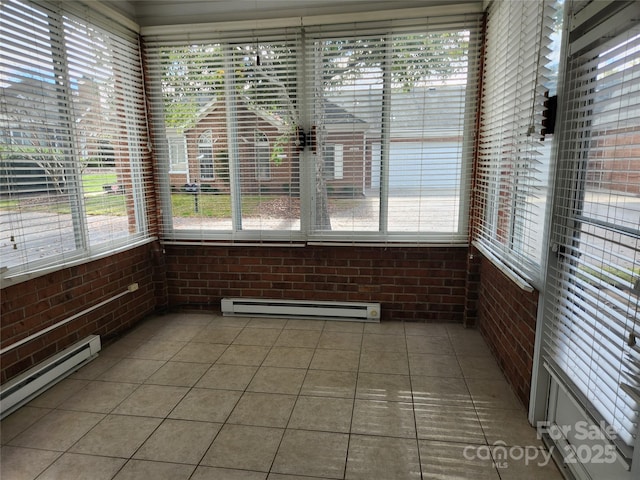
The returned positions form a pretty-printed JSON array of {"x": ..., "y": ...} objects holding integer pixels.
[{"x": 267, "y": 152}]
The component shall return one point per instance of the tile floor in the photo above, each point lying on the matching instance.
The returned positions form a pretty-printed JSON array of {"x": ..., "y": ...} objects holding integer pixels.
[{"x": 203, "y": 397}]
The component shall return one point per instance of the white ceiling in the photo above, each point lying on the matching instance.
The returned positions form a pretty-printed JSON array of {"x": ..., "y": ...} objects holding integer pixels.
[{"x": 174, "y": 12}]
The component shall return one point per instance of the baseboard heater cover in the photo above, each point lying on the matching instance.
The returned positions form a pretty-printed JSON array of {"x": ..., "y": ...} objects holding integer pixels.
[
  {"x": 301, "y": 309},
  {"x": 36, "y": 380}
]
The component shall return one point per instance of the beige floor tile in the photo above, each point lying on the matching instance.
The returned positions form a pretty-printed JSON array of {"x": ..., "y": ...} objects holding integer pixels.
[
  {"x": 216, "y": 333},
  {"x": 257, "y": 336},
  {"x": 322, "y": 413},
  {"x": 95, "y": 368},
  {"x": 213, "y": 473},
  {"x": 432, "y": 365},
  {"x": 391, "y": 419},
  {"x": 384, "y": 343},
  {"x": 199, "y": 353},
  {"x": 124, "y": 346},
  {"x": 455, "y": 461},
  {"x": 508, "y": 426},
  {"x": 131, "y": 370},
  {"x": 227, "y": 377},
  {"x": 298, "y": 338},
  {"x": 57, "y": 430},
  {"x": 99, "y": 397},
  {"x": 277, "y": 323},
  {"x": 440, "y": 390},
  {"x": 384, "y": 362},
  {"x": 340, "y": 340},
  {"x": 18, "y": 463},
  {"x": 157, "y": 350},
  {"x": 382, "y": 458},
  {"x": 319, "y": 454},
  {"x": 278, "y": 476},
  {"x": 151, "y": 401},
  {"x": 229, "y": 321},
  {"x": 57, "y": 394},
  {"x": 206, "y": 405},
  {"x": 178, "y": 332},
  {"x": 423, "y": 344},
  {"x": 116, "y": 436},
  {"x": 178, "y": 374},
  {"x": 179, "y": 441},
  {"x": 277, "y": 380},
  {"x": 480, "y": 367},
  {"x": 263, "y": 410},
  {"x": 342, "y": 326},
  {"x": 425, "y": 329},
  {"x": 244, "y": 447},
  {"x": 492, "y": 394},
  {"x": 19, "y": 421},
  {"x": 243, "y": 355},
  {"x": 190, "y": 318},
  {"x": 289, "y": 357},
  {"x": 380, "y": 386},
  {"x": 143, "y": 469},
  {"x": 73, "y": 465},
  {"x": 327, "y": 383},
  {"x": 537, "y": 466},
  {"x": 451, "y": 423},
  {"x": 385, "y": 328},
  {"x": 469, "y": 342},
  {"x": 295, "y": 324},
  {"x": 338, "y": 360}
]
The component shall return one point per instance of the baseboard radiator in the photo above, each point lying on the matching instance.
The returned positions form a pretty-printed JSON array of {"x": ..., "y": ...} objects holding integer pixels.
[
  {"x": 301, "y": 309},
  {"x": 34, "y": 381}
]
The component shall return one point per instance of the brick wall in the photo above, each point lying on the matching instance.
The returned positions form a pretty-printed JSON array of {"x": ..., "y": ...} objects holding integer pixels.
[
  {"x": 410, "y": 283},
  {"x": 507, "y": 321},
  {"x": 35, "y": 304}
]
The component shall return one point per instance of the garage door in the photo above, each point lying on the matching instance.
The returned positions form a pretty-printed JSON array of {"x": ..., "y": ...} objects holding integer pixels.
[{"x": 424, "y": 166}]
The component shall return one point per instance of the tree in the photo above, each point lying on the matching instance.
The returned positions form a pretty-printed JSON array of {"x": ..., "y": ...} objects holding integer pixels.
[{"x": 264, "y": 76}]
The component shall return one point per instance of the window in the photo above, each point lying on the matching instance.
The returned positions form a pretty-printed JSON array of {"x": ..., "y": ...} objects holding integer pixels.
[
  {"x": 514, "y": 157},
  {"x": 592, "y": 309},
  {"x": 73, "y": 182},
  {"x": 177, "y": 154},
  {"x": 263, "y": 156},
  {"x": 205, "y": 156},
  {"x": 333, "y": 162},
  {"x": 369, "y": 139}
]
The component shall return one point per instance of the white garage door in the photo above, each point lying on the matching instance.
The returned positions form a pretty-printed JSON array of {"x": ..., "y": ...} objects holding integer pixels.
[{"x": 424, "y": 166}]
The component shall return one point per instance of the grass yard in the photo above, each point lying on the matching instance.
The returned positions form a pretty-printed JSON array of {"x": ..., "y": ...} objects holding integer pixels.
[
  {"x": 211, "y": 205},
  {"x": 93, "y": 182}
]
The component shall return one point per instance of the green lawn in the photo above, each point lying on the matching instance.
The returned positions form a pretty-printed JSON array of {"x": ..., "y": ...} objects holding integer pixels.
[
  {"x": 211, "y": 205},
  {"x": 97, "y": 202},
  {"x": 93, "y": 182}
]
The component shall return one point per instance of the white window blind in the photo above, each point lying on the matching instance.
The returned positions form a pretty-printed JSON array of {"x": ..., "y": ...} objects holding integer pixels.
[
  {"x": 592, "y": 332},
  {"x": 73, "y": 139},
  {"x": 401, "y": 103},
  {"x": 513, "y": 167},
  {"x": 234, "y": 101},
  {"x": 370, "y": 133}
]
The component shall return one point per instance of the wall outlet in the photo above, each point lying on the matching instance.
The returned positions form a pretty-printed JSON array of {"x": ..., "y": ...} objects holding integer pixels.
[{"x": 133, "y": 287}]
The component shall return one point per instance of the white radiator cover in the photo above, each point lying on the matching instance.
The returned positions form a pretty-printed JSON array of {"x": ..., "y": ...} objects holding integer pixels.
[
  {"x": 301, "y": 309},
  {"x": 36, "y": 380}
]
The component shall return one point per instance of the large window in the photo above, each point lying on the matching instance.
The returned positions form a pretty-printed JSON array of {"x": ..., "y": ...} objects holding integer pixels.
[
  {"x": 592, "y": 308},
  {"x": 514, "y": 155},
  {"x": 73, "y": 138},
  {"x": 363, "y": 136}
]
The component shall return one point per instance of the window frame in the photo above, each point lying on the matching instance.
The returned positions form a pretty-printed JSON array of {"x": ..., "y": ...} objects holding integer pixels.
[
  {"x": 227, "y": 41},
  {"x": 67, "y": 28}
]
